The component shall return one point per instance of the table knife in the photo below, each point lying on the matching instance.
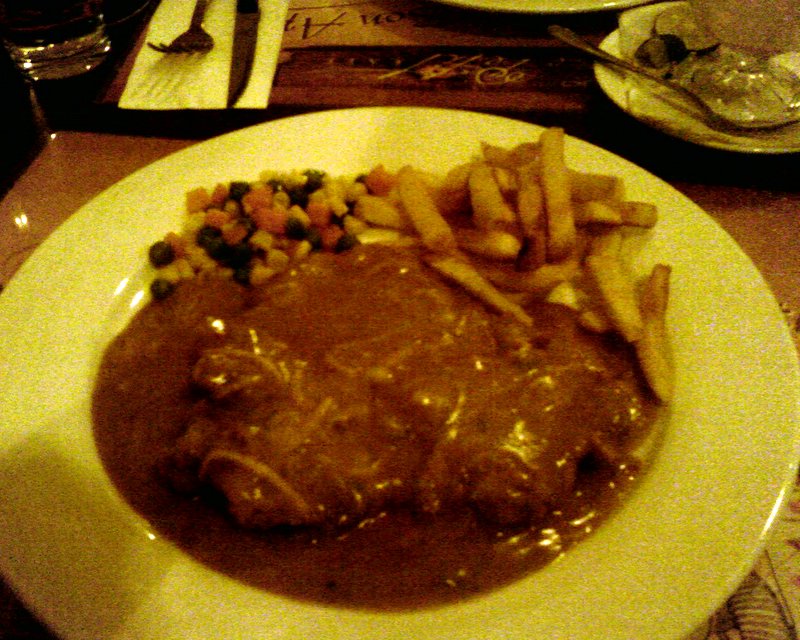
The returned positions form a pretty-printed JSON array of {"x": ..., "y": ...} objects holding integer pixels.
[{"x": 245, "y": 39}]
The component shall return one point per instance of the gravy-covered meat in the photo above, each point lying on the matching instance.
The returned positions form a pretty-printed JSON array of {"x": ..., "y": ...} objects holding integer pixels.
[
  {"x": 362, "y": 381},
  {"x": 360, "y": 432}
]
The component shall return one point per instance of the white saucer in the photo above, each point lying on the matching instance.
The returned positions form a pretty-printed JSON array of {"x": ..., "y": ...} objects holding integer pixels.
[
  {"x": 679, "y": 119},
  {"x": 544, "y": 6}
]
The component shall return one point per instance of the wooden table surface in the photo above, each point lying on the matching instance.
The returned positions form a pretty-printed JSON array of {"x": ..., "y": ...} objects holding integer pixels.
[{"x": 80, "y": 143}]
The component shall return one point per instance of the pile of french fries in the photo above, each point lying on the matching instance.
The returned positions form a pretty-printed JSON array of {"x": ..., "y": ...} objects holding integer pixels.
[{"x": 514, "y": 224}]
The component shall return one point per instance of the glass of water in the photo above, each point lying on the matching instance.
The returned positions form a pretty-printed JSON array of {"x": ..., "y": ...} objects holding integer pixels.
[{"x": 54, "y": 39}]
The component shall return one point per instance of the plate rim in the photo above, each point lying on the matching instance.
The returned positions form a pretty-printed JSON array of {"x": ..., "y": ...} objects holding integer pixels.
[{"x": 546, "y": 7}]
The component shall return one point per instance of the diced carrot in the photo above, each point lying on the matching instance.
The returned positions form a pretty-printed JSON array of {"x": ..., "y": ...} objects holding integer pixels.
[
  {"x": 220, "y": 195},
  {"x": 259, "y": 216},
  {"x": 330, "y": 236},
  {"x": 177, "y": 243},
  {"x": 233, "y": 233},
  {"x": 258, "y": 196},
  {"x": 217, "y": 218},
  {"x": 319, "y": 213},
  {"x": 270, "y": 219},
  {"x": 379, "y": 181},
  {"x": 197, "y": 200}
]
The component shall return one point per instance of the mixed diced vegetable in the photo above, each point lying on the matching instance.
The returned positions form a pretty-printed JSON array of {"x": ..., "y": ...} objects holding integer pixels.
[{"x": 251, "y": 231}]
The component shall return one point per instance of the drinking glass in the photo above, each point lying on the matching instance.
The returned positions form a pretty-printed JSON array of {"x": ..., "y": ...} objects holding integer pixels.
[{"x": 54, "y": 39}]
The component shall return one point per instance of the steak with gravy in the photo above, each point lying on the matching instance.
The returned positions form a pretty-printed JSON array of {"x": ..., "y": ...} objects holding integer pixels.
[{"x": 360, "y": 385}]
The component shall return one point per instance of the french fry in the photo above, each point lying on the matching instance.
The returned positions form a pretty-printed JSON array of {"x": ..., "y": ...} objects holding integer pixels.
[
  {"x": 555, "y": 177},
  {"x": 594, "y": 321},
  {"x": 621, "y": 212},
  {"x": 618, "y": 294},
  {"x": 530, "y": 215},
  {"x": 533, "y": 253},
  {"x": 565, "y": 294},
  {"x": 596, "y": 212},
  {"x": 540, "y": 280},
  {"x": 496, "y": 156},
  {"x": 595, "y": 186},
  {"x": 494, "y": 244},
  {"x": 384, "y": 235},
  {"x": 506, "y": 180},
  {"x": 452, "y": 194},
  {"x": 608, "y": 243},
  {"x": 523, "y": 153},
  {"x": 489, "y": 208},
  {"x": 381, "y": 212},
  {"x": 419, "y": 205},
  {"x": 638, "y": 214},
  {"x": 520, "y": 298},
  {"x": 651, "y": 348},
  {"x": 530, "y": 200},
  {"x": 463, "y": 273},
  {"x": 566, "y": 245}
]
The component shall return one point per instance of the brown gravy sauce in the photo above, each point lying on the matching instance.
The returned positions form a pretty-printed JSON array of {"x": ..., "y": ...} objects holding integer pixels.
[{"x": 395, "y": 560}]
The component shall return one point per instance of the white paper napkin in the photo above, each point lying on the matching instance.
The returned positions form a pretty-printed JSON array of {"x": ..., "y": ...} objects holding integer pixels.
[{"x": 200, "y": 81}]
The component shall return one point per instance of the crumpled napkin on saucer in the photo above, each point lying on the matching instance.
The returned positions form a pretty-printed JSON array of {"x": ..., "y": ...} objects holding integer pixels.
[
  {"x": 668, "y": 111},
  {"x": 161, "y": 81},
  {"x": 637, "y": 25}
]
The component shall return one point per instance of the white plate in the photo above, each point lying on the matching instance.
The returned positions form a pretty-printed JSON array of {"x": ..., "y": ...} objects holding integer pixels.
[
  {"x": 681, "y": 120},
  {"x": 91, "y": 568},
  {"x": 545, "y": 6}
]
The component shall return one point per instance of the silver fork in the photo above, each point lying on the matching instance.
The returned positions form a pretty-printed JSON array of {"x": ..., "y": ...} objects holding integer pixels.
[{"x": 194, "y": 40}]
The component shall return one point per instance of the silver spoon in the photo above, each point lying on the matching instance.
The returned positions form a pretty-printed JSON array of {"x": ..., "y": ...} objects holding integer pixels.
[{"x": 571, "y": 38}]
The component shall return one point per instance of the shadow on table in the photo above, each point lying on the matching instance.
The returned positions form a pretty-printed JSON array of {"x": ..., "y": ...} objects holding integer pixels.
[{"x": 23, "y": 131}]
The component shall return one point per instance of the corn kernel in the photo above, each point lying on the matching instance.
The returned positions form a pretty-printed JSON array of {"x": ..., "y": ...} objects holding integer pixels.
[
  {"x": 295, "y": 179},
  {"x": 232, "y": 207},
  {"x": 199, "y": 259},
  {"x": 260, "y": 273},
  {"x": 193, "y": 223},
  {"x": 318, "y": 196},
  {"x": 354, "y": 191},
  {"x": 302, "y": 249},
  {"x": 296, "y": 211},
  {"x": 277, "y": 259},
  {"x": 184, "y": 268},
  {"x": 170, "y": 273},
  {"x": 338, "y": 206},
  {"x": 282, "y": 199},
  {"x": 262, "y": 240},
  {"x": 354, "y": 225}
]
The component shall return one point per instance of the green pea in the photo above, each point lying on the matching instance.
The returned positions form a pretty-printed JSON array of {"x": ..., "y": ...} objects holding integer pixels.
[
  {"x": 161, "y": 253},
  {"x": 161, "y": 288},
  {"x": 345, "y": 242}
]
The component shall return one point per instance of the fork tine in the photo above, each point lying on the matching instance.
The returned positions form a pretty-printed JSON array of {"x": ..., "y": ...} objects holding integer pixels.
[
  {"x": 181, "y": 47},
  {"x": 194, "y": 39}
]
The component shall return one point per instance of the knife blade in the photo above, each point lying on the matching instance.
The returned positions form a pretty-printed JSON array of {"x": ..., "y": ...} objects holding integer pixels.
[{"x": 245, "y": 38}]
